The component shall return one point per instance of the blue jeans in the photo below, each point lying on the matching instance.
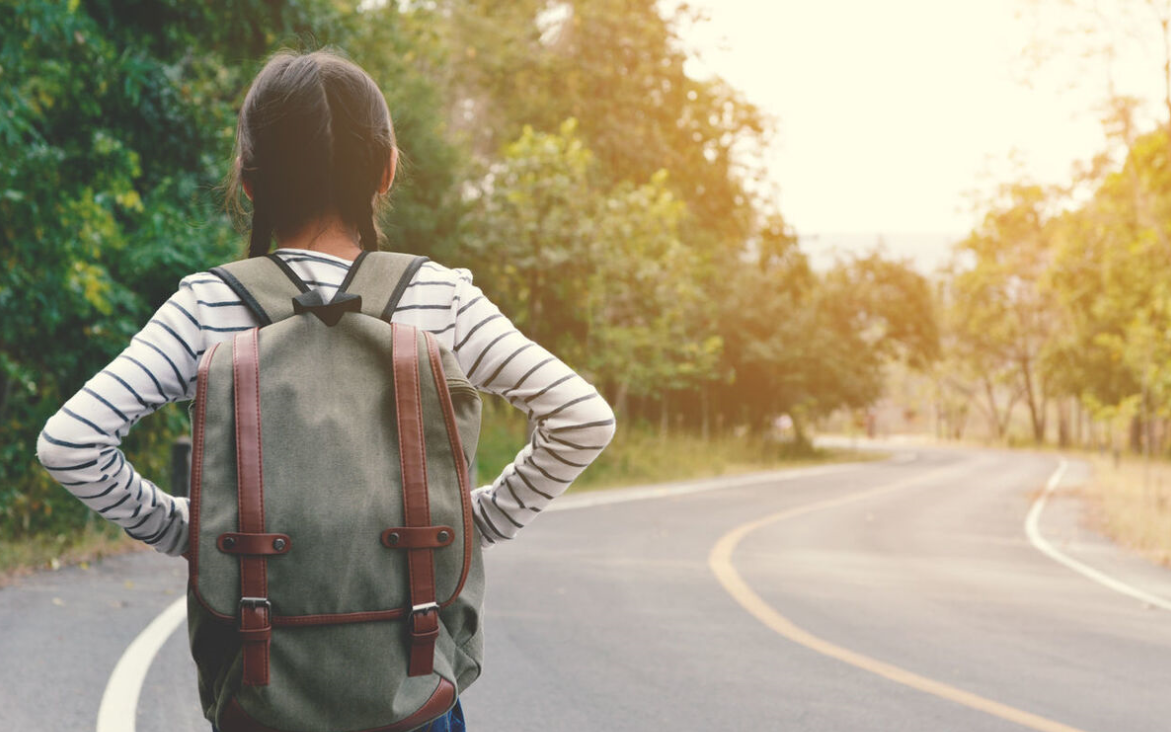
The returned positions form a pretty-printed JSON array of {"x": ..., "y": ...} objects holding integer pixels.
[{"x": 453, "y": 721}]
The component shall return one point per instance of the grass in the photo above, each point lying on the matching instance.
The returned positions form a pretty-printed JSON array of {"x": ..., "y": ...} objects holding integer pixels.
[
  {"x": 20, "y": 557},
  {"x": 1134, "y": 504},
  {"x": 636, "y": 458},
  {"x": 639, "y": 456}
]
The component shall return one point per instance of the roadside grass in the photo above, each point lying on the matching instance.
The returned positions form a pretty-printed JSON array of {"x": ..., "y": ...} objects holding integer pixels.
[
  {"x": 23, "y": 556},
  {"x": 1133, "y": 503},
  {"x": 637, "y": 455}
]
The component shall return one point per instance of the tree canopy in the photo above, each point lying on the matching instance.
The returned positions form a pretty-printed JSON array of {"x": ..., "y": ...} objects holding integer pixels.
[{"x": 604, "y": 198}]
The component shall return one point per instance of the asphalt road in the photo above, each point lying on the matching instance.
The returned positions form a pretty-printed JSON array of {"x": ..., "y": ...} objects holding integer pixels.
[{"x": 897, "y": 595}]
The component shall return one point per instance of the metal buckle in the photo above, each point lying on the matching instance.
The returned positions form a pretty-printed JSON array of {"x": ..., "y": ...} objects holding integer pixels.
[
  {"x": 255, "y": 602},
  {"x": 424, "y": 608},
  {"x": 418, "y": 611}
]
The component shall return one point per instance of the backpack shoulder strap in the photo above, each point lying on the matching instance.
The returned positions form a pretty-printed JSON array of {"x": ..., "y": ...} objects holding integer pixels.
[
  {"x": 266, "y": 285},
  {"x": 373, "y": 274}
]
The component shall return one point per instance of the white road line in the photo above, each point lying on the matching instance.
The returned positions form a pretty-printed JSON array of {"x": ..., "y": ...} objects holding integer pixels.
[
  {"x": 1033, "y": 531},
  {"x": 622, "y": 495},
  {"x": 120, "y": 700}
]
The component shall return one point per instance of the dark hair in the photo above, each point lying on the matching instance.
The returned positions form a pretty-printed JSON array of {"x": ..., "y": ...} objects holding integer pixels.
[{"x": 314, "y": 137}]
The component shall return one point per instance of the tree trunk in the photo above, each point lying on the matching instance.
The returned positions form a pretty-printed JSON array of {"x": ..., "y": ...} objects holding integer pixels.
[
  {"x": 664, "y": 417},
  {"x": 621, "y": 398},
  {"x": 705, "y": 409},
  {"x": 999, "y": 423},
  {"x": 799, "y": 435},
  {"x": 1114, "y": 447},
  {"x": 993, "y": 410},
  {"x": 1136, "y": 435},
  {"x": 1036, "y": 412},
  {"x": 1063, "y": 423}
]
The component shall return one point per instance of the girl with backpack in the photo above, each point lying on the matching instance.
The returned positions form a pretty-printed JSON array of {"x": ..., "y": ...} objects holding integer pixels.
[{"x": 315, "y": 152}]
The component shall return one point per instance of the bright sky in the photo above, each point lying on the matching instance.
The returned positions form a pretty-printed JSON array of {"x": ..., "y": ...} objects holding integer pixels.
[{"x": 891, "y": 112}]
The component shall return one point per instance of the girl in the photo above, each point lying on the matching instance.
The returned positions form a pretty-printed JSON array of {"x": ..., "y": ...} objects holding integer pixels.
[{"x": 315, "y": 152}]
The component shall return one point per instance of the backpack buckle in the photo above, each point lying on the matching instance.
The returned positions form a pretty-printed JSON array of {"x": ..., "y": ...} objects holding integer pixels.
[
  {"x": 423, "y": 630},
  {"x": 255, "y": 602},
  {"x": 255, "y": 633}
]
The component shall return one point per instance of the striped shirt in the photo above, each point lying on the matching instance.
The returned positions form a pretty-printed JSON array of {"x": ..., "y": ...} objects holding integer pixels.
[{"x": 79, "y": 445}]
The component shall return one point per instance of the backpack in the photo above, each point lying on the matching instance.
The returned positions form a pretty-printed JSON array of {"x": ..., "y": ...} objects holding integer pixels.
[{"x": 335, "y": 575}]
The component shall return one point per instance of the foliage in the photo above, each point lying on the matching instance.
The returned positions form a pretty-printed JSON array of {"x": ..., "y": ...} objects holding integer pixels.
[
  {"x": 1111, "y": 276},
  {"x": 1061, "y": 298},
  {"x": 605, "y": 199},
  {"x": 105, "y": 152},
  {"x": 118, "y": 126},
  {"x": 599, "y": 275}
]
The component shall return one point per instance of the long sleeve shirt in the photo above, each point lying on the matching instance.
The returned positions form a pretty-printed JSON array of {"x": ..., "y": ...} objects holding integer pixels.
[{"x": 79, "y": 445}]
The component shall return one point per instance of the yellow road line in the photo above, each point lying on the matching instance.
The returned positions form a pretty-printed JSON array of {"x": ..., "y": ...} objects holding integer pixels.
[{"x": 720, "y": 561}]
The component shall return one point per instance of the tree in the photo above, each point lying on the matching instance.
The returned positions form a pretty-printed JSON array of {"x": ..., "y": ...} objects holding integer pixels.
[
  {"x": 617, "y": 67},
  {"x": 117, "y": 127},
  {"x": 1110, "y": 275},
  {"x": 1004, "y": 318},
  {"x": 599, "y": 275},
  {"x": 804, "y": 344}
]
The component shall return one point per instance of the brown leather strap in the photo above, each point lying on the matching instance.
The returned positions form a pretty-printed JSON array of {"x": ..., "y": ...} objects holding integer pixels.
[
  {"x": 415, "y": 537},
  {"x": 457, "y": 451},
  {"x": 234, "y": 542},
  {"x": 423, "y": 620},
  {"x": 255, "y": 610}
]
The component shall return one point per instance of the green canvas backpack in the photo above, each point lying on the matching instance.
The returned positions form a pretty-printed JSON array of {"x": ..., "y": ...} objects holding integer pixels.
[{"x": 335, "y": 575}]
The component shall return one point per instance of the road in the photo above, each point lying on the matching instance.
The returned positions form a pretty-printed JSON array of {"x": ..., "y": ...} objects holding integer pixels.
[{"x": 895, "y": 595}]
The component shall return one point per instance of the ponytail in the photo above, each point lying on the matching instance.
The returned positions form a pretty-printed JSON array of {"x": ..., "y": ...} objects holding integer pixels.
[
  {"x": 261, "y": 237},
  {"x": 368, "y": 229}
]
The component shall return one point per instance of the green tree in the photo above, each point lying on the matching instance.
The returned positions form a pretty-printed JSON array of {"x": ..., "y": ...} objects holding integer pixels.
[
  {"x": 599, "y": 274},
  {"x": 1003, "y": 315},
  {"x": 117, "y": 127},
  {"x": 1111, "y": 274}
]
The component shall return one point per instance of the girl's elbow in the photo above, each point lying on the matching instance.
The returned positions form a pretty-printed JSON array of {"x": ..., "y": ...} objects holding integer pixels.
[
  {"x": 48, "y": 454},
  {"x": 55, "y": 453},
  {"x": 590, "y": 423},
  {"x": 608, "y": 421}
]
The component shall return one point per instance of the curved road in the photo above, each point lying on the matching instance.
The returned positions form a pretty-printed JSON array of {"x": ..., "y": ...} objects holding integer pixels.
[{"x": 897, "y": 595}]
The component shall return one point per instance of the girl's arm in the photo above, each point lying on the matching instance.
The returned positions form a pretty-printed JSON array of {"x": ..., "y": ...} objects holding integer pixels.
[
  {"x": 79, "y": 444},
  {"x": 573, "y": 422}
]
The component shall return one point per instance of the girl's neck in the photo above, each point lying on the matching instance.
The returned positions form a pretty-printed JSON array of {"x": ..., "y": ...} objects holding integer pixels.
[{"x": 327, "y": 237}]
